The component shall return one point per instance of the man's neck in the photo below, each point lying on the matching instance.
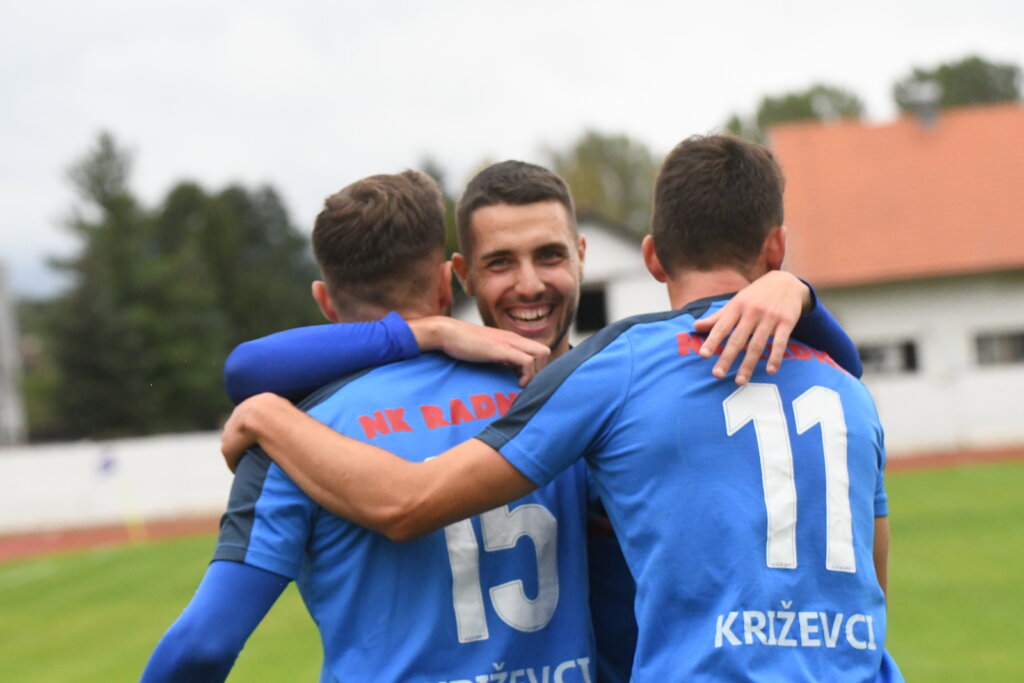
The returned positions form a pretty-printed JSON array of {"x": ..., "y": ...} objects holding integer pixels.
[{"x": 691, "y": 285}]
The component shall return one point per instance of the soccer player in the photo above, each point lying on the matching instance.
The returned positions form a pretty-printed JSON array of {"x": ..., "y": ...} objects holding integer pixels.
[
  {"x": 456, "y": 605},
  {"x": 520, "y": 254},
  {"x": 522, "y": 258},
  {"x": 754, "y": 518}
]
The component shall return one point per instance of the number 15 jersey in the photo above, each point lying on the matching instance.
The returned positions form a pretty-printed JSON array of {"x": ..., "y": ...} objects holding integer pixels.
[
  {"x": 746, "y": 514},
  {"x": 499, "y": 597}
]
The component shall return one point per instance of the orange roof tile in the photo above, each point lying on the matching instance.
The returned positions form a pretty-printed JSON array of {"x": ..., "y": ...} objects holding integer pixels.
[{"x": 874, "y": 203}]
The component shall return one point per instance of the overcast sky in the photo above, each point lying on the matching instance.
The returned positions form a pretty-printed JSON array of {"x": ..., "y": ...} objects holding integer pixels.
[{"x": 309, "y": 96}]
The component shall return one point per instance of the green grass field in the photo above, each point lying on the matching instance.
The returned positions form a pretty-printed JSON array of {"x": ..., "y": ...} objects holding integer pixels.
[{"x": 956, "y": 594}]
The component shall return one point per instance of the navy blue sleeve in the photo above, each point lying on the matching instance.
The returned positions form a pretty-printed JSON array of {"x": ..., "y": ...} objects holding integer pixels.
[
  {"x": 204, "y": 642},
  {"x": 819, "y": 329},
  {"x": 294, "y": 362}
]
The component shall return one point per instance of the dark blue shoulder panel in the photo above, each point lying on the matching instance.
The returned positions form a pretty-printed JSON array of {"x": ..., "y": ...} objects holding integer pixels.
[
  {"x": 536, "y": 394},
  {"x": 236, "y": 524}
]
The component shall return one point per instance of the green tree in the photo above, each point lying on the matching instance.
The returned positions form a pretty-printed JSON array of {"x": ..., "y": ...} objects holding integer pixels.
[
  {"x": 971, "y": 80},
  {"x": 611, "y": 178},
  {"x": 96, "y": 347},
  {"x": 157, "y": 299},
  {"x": 819, "y": 102}
]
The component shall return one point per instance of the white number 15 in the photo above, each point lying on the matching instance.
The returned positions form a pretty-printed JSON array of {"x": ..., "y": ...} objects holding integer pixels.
[{"x": 501, "y": 529}]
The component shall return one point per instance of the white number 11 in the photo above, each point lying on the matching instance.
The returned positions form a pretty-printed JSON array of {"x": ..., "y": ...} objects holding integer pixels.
[{"x": 761, "y": 404}]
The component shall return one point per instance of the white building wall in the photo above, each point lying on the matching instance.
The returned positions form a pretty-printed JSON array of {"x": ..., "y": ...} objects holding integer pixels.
[
  {"x": 950, "y": 402},
  {"x": 614, "y": 262}
]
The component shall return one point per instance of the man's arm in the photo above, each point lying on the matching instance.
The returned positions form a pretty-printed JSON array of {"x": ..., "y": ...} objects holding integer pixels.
[
  {"x": 294, "y": 362},
  {"x": 204, "y": 642},
  {"x": 881, "y": 552},
  {"x": 776, "y": 305},
  {"x": 368, "y": 485}
]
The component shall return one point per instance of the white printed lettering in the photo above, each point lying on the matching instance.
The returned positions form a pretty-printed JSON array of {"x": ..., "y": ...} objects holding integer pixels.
[
  {"x": 850, "y": 637},
  {"x": 831, "y": 636},
  {"x": 535, "y": 674},
  {"x": 545, "y": 677},
  {"x": 807, "y": 629},
  {"x": 584, "y": 664},
  {"x": 786, "y": 625},
  {"x": 816, "y": 629},
  {"x": 724, "y": 628},
  {"x": 562, "y": 668},
  {"x": 753, "y": 624}
]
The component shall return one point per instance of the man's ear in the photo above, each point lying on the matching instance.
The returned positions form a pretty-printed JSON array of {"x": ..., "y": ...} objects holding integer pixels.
[
  {"x": 651, "y": 259},
  {"x": 461, "y": 266},
  {"x": 581, "y": 250},
  {"x": 323, "y": 299},
  {"x": 774, "y": 248},
  {"x": 444, "y": 288}
]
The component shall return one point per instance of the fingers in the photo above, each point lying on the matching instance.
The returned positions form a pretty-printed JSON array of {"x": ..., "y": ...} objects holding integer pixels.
[
  {"x": 528, "y": 363},
  {"x": 749, "y": 329},
  {"x": 779, "y": 342},
  {"x": 736, "y": 343},
  {"x": 233, "y": 440},
  {"x": 231, "y": 454},
  {"x": 721, "y": 324},
  {"x": 755, "y": 348}
]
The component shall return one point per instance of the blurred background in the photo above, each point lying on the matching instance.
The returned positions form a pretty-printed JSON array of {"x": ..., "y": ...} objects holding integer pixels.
[{"x": 163, "y": 161}]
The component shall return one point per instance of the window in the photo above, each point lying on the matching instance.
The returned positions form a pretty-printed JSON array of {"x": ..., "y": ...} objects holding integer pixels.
[
  {"x": 889, "y": 358},
  {"x": 592, "y": 313},
  {"x": 999, "y": 348}
]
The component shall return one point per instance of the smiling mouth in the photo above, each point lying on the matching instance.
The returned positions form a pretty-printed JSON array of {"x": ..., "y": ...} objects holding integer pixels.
[{"x": 531, "y": 318}]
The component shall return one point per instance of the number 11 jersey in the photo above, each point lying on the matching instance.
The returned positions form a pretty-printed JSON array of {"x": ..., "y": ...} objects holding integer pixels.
[{"x": 745, "y": 514}]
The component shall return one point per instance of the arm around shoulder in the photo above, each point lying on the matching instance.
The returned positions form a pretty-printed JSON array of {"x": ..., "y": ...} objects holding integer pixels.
[
  {"x": 368, "y": 485},
  {"x": 294, "y": 362}
]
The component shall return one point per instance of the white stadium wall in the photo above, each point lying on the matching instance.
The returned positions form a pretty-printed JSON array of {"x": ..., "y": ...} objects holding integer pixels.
[{"x": 125, "y": 481}]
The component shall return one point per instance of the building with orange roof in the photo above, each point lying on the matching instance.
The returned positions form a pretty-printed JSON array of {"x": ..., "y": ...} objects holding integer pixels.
[{"x": 913, "y": 232}]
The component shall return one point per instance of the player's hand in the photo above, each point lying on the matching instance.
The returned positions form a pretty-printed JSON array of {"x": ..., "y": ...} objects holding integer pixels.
[
  {"x": 476, "y": 343},
  {"x": 235, "y": 437},
  {"x": 770, "y": 306}
]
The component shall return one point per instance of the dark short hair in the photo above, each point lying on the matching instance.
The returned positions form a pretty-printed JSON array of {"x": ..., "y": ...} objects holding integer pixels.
[
  {"x": 373, "y": 238},
  {"x": 715, "y": 200},
  {"x": 509, "y": 182}
]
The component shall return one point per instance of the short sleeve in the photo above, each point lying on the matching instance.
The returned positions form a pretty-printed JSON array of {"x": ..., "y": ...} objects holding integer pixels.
[
  {"x": 881, "y": 499},
  {"x": 269, "y": 519},
  {"x": 566, "y": 411}
]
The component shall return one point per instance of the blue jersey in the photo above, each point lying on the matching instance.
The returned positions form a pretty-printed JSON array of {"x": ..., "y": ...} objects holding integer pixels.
[
  {"x": 500, "y": 594},
  {"x": 745, "y": 514}
]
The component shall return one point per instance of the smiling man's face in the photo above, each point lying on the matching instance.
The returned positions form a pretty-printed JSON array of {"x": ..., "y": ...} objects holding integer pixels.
[{"x": 524, "y": 269}]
